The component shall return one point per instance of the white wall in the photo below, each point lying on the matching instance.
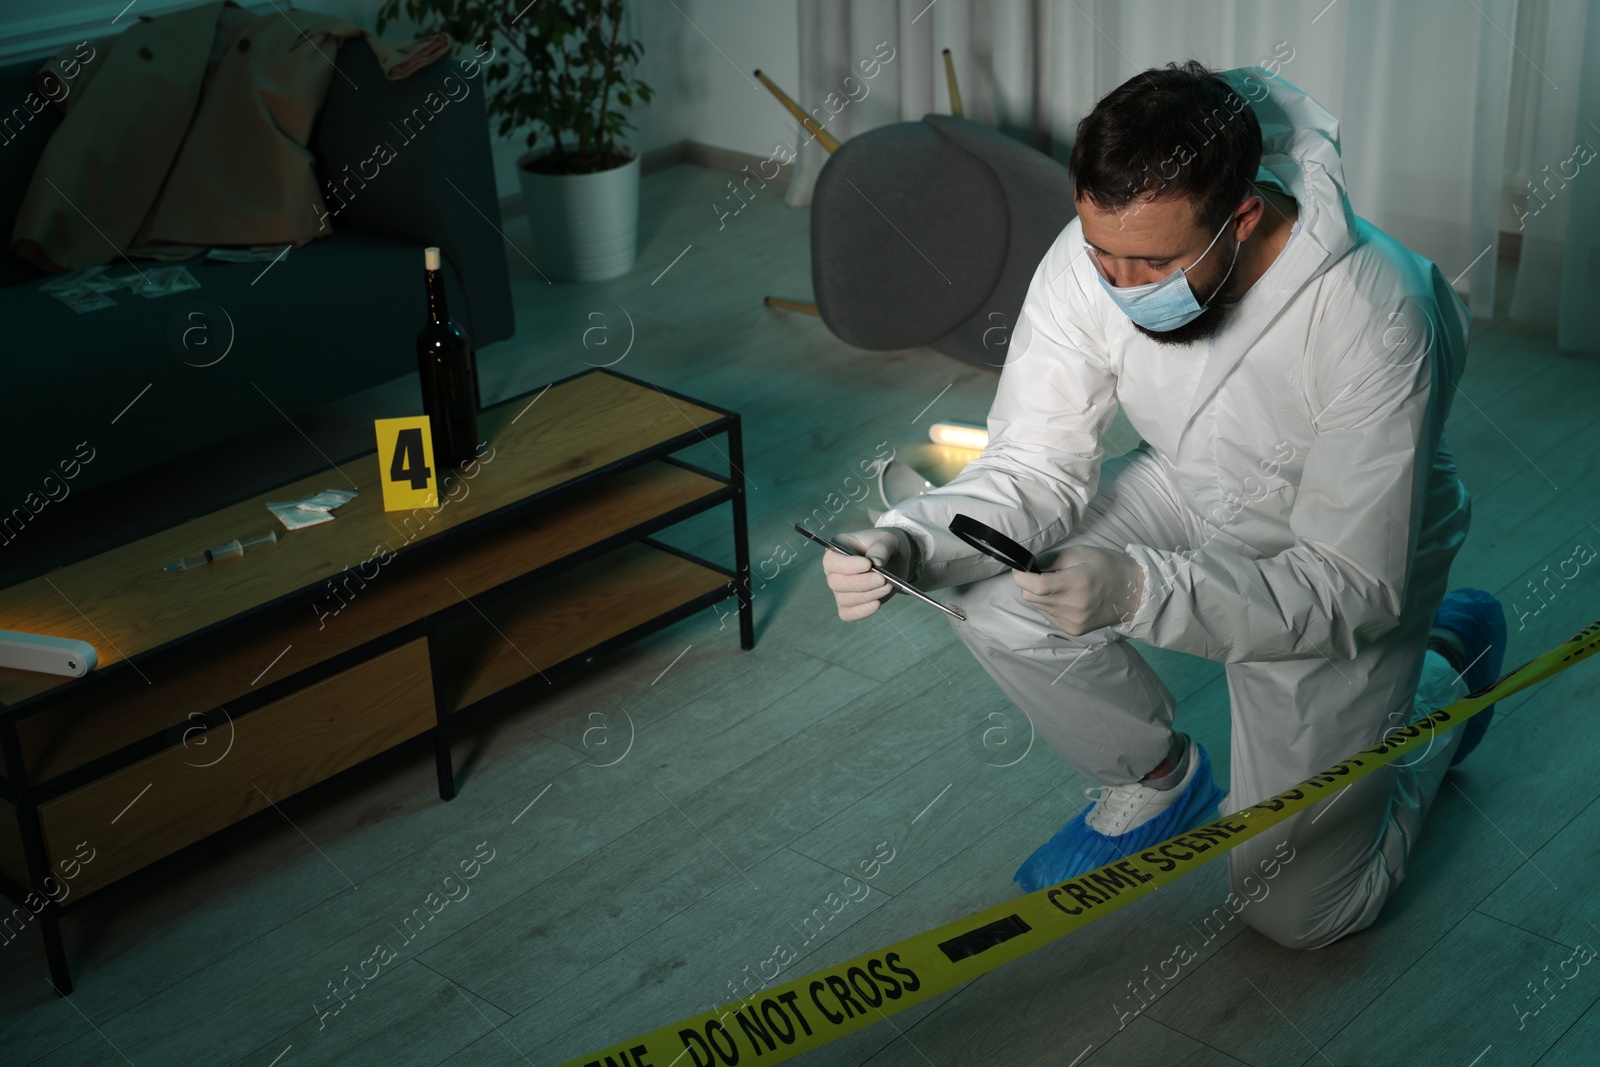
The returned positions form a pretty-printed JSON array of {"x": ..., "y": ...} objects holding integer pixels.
[
  {"x": 700, "y": 62},
  {"x": 698, "y": 58}
]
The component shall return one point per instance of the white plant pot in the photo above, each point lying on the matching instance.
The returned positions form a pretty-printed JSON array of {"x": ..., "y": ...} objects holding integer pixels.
[{"x": 585, "y": 226}]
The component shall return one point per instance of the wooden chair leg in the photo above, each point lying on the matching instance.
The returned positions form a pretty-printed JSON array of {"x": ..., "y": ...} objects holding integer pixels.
[
  {"x": 955, "y": 90},
  {"x": 825, "y": 139},
  {"x": 791, "y": 305}
]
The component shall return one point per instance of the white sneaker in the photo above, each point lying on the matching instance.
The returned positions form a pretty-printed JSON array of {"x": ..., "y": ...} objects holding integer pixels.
[{"x": 1121, "y": 808}]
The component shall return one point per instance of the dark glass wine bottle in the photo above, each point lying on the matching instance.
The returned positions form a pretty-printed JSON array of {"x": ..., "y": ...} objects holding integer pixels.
[{"x": 449, "y": 375}]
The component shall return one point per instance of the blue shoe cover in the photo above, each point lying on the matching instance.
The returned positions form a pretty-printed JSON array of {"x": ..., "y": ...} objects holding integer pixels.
[
  {"x": 1477, "y": 618},
  {"x": 1077, "y": 847}
]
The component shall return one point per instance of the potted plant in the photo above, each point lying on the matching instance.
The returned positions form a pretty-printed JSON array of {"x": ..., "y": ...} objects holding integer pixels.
[{"x": 563, "y": 71}]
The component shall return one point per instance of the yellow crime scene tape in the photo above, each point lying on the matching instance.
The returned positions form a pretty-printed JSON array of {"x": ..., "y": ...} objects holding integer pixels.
[{"x": 803, "y": 1014}]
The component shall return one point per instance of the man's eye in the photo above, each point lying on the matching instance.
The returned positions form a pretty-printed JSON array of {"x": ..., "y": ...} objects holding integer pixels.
[{"x": 1103, "y": 255}]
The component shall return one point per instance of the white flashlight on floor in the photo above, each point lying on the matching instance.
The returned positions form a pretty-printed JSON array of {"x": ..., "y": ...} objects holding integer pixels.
[{"x": 959, "y": 435}]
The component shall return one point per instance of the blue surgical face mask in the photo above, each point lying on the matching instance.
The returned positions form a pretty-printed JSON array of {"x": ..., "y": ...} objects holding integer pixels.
[{"x": 1168, "y": 303}]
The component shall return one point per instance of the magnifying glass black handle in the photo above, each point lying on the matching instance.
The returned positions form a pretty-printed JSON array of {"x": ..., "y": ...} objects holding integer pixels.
[{"x": 994, "y": 544}]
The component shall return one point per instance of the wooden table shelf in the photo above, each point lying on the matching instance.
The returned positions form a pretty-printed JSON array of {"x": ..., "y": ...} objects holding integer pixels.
[
  {"x": 522, "y": 638},
  {"x": 352, "y": 637}
]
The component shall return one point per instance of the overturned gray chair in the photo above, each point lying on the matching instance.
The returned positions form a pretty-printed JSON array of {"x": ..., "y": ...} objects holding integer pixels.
[{"x": 928, "y": 233}]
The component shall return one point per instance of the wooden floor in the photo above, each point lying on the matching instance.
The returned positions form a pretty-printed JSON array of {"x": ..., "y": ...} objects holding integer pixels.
[{"x": 660, "y": 825}]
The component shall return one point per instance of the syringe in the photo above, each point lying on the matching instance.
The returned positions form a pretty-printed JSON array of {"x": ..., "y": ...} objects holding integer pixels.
[{"x": 226, "y": 551}]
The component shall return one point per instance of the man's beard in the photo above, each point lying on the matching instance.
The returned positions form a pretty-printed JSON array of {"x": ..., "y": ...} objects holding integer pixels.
[{"x": 1206, "y": 325}]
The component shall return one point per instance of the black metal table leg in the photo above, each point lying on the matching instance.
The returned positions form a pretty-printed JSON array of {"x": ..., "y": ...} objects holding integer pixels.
[
  {"x": 36, "y": 861},
  {"x": 441, "y": 759},
  {"x": 443, "y": 763},
  {"x": 741, "y": 536},
  {"x": 55, "y": 951}
]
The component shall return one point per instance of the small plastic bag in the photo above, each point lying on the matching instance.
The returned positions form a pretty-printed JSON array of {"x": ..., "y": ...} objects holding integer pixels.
[
  {"x": 311, "y": 510},
  {"x": 327, "y": 500},
  {"x": 294, "y": 517}
]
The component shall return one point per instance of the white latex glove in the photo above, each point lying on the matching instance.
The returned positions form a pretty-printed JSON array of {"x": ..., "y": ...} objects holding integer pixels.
[
  {"x": 1085, "y": 589},
  {"x": 856, "y": 588}
]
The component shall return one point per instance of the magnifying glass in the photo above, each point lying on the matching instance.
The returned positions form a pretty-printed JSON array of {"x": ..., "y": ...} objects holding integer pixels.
[{"x": 994, "y": 544}]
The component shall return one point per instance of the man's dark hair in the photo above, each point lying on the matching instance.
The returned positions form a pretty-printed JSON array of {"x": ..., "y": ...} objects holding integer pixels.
[{"x": 1172, "y": 131}]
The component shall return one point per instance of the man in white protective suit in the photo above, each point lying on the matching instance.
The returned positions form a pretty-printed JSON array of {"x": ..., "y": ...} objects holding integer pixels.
[{"x": 1292, "y": 511}]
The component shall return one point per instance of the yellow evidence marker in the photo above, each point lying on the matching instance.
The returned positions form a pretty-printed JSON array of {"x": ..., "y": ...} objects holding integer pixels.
[{"x": 405, "y": 463}]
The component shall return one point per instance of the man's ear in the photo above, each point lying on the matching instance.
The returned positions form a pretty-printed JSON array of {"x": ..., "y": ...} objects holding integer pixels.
[{"x": 1246, "y": 221}]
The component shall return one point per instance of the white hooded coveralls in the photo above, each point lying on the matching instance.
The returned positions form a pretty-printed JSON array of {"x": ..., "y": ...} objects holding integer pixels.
[{"x": 1294, "y": 508}]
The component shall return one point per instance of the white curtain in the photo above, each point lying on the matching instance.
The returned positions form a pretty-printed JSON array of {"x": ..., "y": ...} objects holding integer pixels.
[
  {"x": 1425, "y": 90},
  {"x": 1555, "y": 167}
]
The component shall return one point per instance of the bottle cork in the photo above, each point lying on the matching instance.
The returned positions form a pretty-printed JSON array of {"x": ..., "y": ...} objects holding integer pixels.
[{"x": 430, "y": 257}]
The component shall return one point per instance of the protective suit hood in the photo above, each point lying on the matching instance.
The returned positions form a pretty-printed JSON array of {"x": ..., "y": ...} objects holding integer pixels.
[{"x": 1300, "y": 150}]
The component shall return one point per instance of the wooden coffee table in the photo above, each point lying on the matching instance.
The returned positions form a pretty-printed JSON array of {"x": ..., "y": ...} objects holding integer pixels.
[{"x": 223, "y": 689}]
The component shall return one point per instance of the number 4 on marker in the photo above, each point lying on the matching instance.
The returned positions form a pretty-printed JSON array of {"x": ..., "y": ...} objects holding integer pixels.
[
  {"x": 405, "y": 463},
  {"x": 410, "y": 464}
]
